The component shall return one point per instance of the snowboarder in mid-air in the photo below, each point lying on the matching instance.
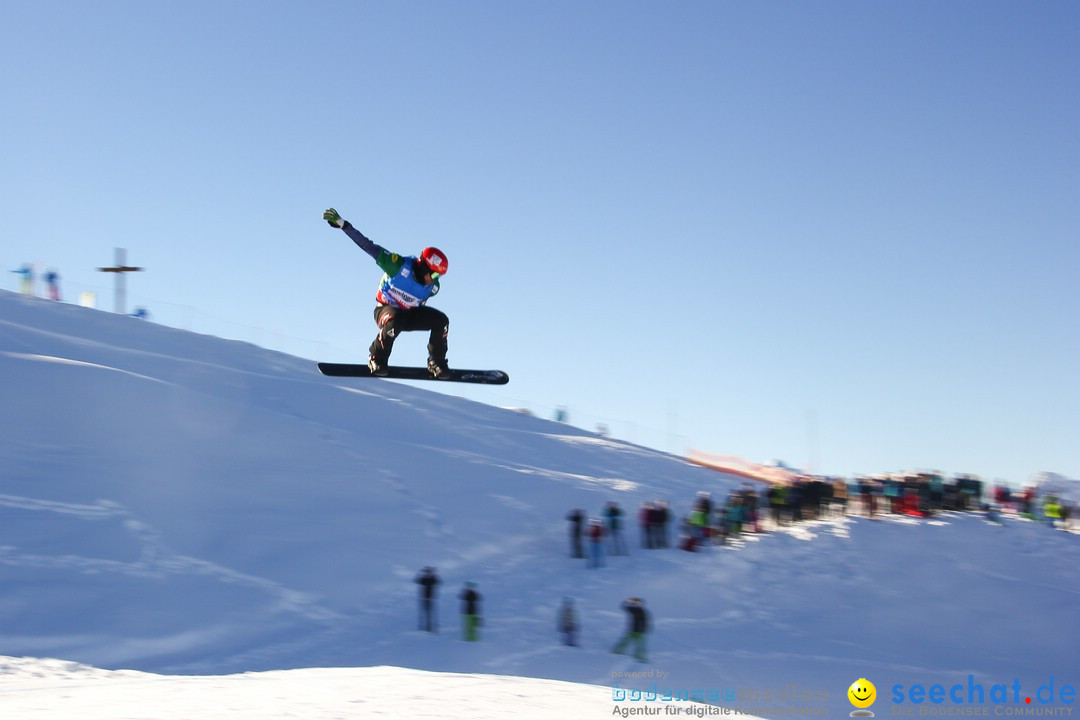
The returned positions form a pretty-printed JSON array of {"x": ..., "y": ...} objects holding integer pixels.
[{"x": 408, "y": 283}]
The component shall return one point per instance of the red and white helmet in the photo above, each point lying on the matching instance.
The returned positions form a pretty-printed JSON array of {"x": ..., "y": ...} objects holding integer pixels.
[{"x": 435, "y": 259}]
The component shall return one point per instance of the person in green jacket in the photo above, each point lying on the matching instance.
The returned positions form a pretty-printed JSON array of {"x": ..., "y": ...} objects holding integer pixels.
[
  {"x": 470, "y": 612},
  {"x": 1052, "y": 510},
  {"x": 638, "y": 627}
]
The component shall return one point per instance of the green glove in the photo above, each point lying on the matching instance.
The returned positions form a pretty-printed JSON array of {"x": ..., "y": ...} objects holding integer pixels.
[{"x": 331, "y": 216}]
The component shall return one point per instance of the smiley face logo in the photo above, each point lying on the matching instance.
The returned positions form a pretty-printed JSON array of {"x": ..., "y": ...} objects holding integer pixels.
[{"x": 862, "y": 693}]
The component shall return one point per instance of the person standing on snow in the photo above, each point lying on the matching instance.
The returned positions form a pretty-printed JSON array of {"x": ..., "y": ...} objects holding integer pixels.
[
  {"x": 408, "y": 283},
  {"x": 596, "y": 543},
  {"x": 647, "y": 519},
  {"x": 613, "y": 513},
  {"x": 470, "y": 612},
  {"x": 577, "y": 527},
  {"x": 428, "y": 581},
  {"x": 635, "y": 633},
  {"x": 663, "y": 519},
  {"x": 26, "y": 278},
  {"x": 1052, "y": 510},
  {"x": 568, "y": 622},
  {"x": 52, "y": 283}
]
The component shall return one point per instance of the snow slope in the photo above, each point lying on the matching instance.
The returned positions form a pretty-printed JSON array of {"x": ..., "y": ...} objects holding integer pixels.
[
  {"x": 177, "y": 503},
  {"x": 59, "y": 690}
]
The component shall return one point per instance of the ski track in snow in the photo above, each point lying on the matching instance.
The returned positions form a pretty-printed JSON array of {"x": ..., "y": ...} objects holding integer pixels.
[
  {"x": 80, "y": 363},
  {"x": 155, "y": 560}
]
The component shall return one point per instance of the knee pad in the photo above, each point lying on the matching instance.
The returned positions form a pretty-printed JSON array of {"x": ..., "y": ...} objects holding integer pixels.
[{"x": 386, "y": 324}]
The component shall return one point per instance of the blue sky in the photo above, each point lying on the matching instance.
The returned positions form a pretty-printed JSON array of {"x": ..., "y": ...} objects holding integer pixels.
[{"x": 840, "y": 234}]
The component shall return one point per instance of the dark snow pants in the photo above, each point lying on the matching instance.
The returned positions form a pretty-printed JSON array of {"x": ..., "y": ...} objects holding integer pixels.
[
  {"x": 392, "y": 321},
  {"x": 428, "y": 621}
]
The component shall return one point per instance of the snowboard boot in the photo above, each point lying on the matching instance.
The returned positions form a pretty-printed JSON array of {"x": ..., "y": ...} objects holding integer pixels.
[
  {"x": 439, "y": 369},
  {"x": 378, "y": 369}
]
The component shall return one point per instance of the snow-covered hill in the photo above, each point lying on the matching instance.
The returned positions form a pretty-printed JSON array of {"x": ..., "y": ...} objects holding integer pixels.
[
  {"x": 59, "y": 690},
  {"x": 177, "y": 503}
]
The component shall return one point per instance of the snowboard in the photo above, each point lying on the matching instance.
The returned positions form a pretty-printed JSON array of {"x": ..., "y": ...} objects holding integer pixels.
[{"x": 481, "y": 377}]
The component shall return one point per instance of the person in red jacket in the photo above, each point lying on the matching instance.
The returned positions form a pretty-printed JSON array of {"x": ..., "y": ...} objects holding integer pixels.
[{"x": 596, "y": 543}]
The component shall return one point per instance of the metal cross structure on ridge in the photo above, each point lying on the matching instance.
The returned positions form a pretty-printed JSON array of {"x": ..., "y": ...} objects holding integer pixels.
[{"x": 120, "y": 286}]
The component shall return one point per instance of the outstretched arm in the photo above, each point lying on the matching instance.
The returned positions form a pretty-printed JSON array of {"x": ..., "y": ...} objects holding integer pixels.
[{"x": 373, "y": 249}]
